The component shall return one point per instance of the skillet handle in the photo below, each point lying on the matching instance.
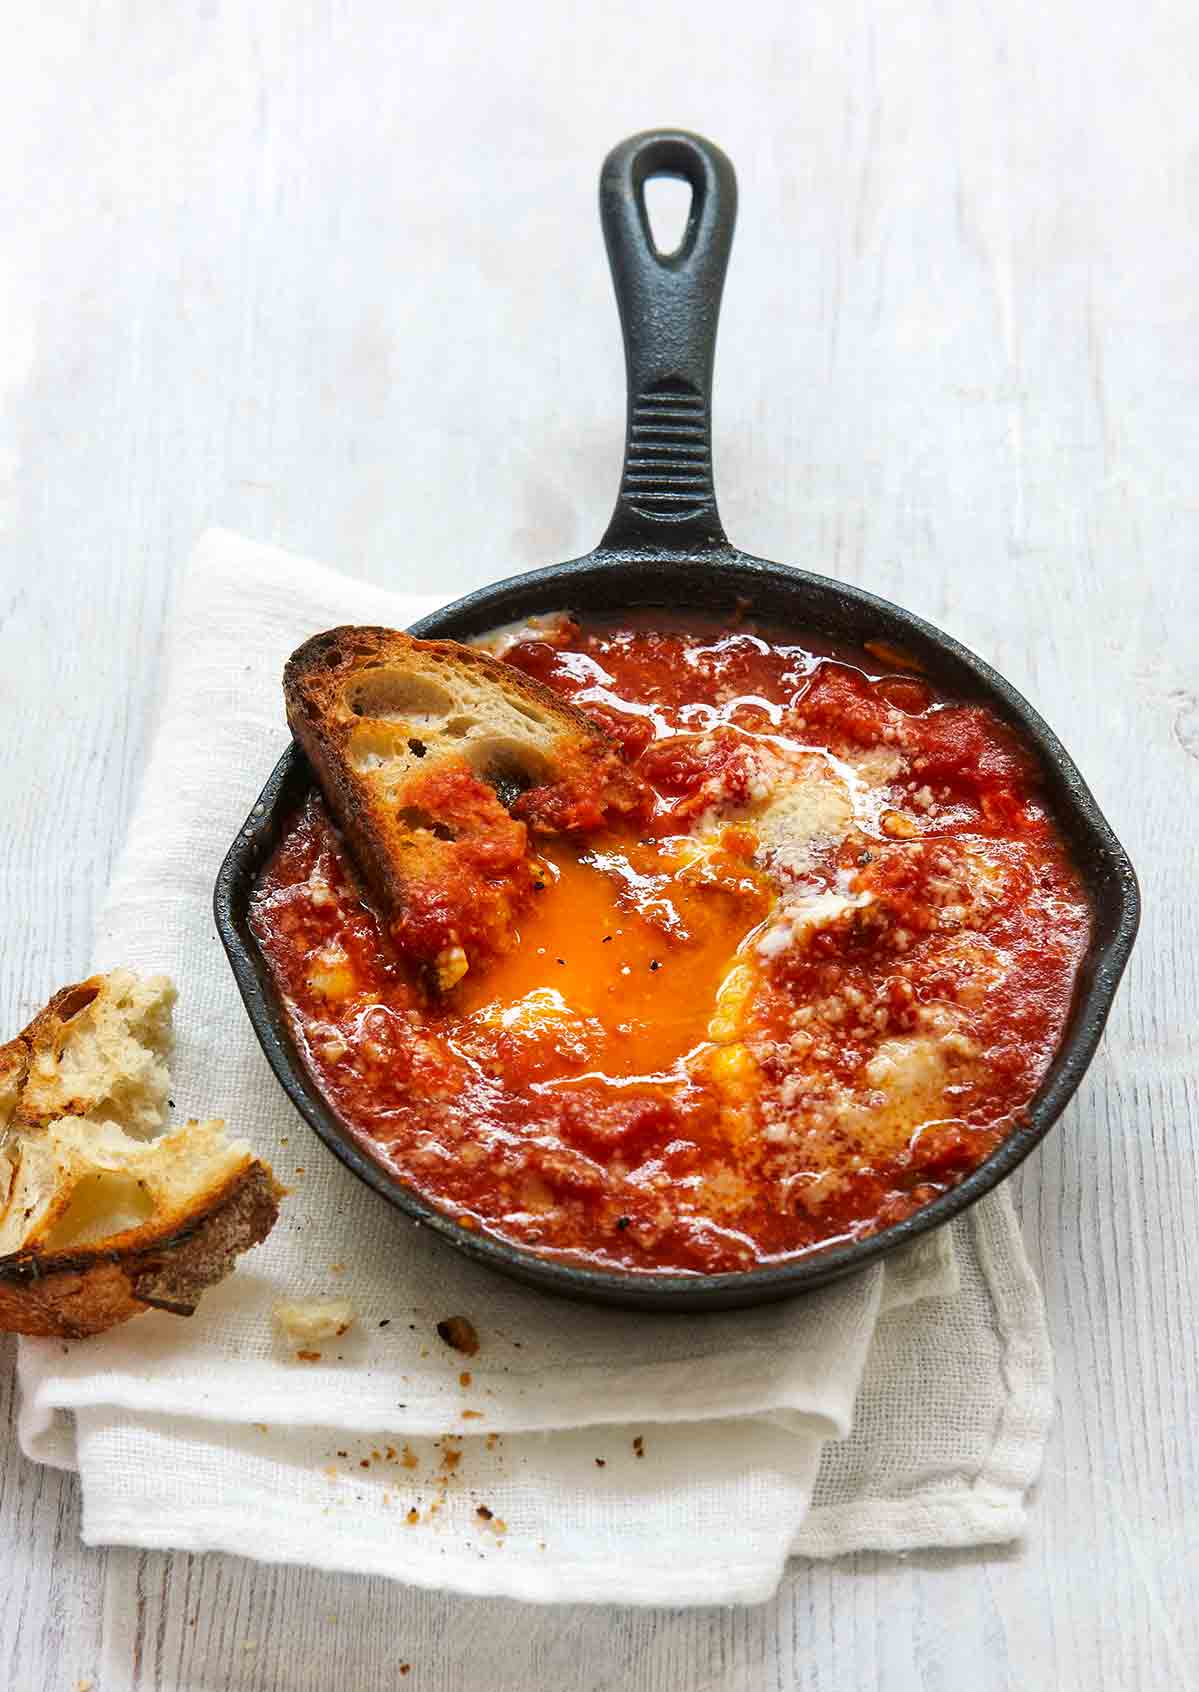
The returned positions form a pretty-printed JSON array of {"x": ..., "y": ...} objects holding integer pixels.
[{"x": 669, "y": 309}]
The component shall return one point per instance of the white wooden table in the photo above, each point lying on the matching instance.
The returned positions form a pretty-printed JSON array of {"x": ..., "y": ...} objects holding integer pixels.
[{"x": 331, "y": 274}]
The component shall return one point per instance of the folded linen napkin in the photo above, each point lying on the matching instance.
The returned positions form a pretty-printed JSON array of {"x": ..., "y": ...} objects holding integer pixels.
[{"x": 582, "y": 1454}]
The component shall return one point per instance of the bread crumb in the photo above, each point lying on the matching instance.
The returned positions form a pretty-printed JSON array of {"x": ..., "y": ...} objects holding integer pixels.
[
  {"x": 413, "y": 1517},
  {"x": 309, "y": 1356},
  {"x": 459, "y": 1334},
  {"x": 638, "y": 1447},
  {"x": 315, "y": 1318},
  {"x": 472, "y": 1415},
  {"x": 464, "y": 1379}
]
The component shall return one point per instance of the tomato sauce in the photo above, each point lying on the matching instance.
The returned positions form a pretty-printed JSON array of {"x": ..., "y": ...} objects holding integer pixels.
[{"x": 813, "y": 989}]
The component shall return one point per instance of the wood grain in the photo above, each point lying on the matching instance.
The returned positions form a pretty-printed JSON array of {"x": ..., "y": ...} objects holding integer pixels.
[{"x": 269, "y": 266}]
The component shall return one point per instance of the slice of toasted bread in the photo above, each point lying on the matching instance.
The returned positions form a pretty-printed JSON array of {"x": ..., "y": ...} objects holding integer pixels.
[
  {"x": 97, "y": 1223},
  {"x": 437, "y": 760}
]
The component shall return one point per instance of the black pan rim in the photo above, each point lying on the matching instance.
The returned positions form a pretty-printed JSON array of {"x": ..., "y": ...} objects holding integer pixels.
[{"x": 1109, "y": 872}]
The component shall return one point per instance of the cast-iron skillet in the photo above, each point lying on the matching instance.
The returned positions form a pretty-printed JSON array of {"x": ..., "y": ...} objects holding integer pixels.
[{"x": 665, "y": 548}]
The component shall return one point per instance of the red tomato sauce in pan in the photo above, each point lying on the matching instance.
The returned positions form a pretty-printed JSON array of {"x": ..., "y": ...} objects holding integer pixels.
[{"x": 816, "y": 989}]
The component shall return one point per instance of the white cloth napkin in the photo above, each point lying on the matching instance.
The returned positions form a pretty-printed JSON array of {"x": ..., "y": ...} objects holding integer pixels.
[{"x": 621, "y": 1458}]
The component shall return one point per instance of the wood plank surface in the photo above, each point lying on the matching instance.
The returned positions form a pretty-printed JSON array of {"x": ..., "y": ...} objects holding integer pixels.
[{"x": 331, "y": 274}]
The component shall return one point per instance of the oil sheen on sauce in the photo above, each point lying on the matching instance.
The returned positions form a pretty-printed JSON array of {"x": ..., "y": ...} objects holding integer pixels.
[{"x": 816, "y": 990}]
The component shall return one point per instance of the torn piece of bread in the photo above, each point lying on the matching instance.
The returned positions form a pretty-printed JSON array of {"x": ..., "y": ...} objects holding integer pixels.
[
  {"x": 437, "y": 761},
  {"x": 97, "y": 1222},
  {"x": 98, "y": 1049}
]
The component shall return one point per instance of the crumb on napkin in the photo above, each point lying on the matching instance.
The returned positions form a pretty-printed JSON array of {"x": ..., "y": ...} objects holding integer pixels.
[
  {"x": 315, "y": 1319},
  {"x": 459, "y": 1334}
]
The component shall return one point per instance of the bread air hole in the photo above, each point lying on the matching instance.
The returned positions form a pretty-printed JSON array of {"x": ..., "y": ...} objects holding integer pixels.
[
  {"x": 398, "y": 696},
  {"x": 413, "y": 817},
  {"x": 103, "y": 1204},
  {"x": 374, "y": 745},
  {"x": 507, "y": 765}
]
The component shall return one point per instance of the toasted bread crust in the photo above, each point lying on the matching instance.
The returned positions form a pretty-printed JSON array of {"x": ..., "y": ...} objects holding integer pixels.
[
  {"x": 436, "y": 782},
  {"x": 71, "y": 1294}
]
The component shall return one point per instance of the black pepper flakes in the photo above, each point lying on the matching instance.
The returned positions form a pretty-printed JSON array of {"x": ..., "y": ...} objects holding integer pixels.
[
  {"x": 654, "y": 964},
  {"x": 607, "y": 940},
  {"x": 484, "y": 1513},
  {"x": 622, "y": 1222},
  {"x": 562, "y": 961},
  {"x": 539, "y": 887}
]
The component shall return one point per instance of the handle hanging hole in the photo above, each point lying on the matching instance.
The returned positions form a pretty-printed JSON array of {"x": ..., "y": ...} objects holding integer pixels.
[{"x": 668, "y": 201}]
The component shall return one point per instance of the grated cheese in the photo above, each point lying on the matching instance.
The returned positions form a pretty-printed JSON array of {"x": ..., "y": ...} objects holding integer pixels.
[
  {"x": 499, "y": 642},
  {"x": 798, "y": 918}
]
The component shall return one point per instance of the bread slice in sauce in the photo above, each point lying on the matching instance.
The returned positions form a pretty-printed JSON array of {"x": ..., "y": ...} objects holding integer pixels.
[
  {"x": 438, "y": 761},
  {"x": 97, "y": 1221}
]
